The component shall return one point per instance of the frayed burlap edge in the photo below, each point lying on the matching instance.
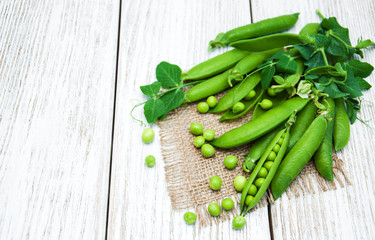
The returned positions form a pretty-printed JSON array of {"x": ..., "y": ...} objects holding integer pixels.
[{"x": 187, "y": 172}]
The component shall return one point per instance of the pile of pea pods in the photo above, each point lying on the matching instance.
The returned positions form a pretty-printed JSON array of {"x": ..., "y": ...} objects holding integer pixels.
[{"x": 303, "y": 90}]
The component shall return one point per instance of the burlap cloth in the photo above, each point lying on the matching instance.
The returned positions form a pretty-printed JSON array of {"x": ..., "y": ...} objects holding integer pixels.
[{"x": 188, "y": 172}]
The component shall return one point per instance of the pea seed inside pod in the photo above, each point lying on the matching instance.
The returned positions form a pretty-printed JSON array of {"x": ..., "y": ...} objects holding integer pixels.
[
  {"x": 268, "y": 165},
  {"x": 252, "y": 190},
  {"x": 271, "y": 156},
  {"x": 238, "y": 107},
  {"x": 280, "y": 142},
  {"x": 276, "y": 148},
  {"x": 250, "y": 95},
  {"x": 259, "y": 182},
  {"x": 248, "y": 199},
  {"x": 262, "y": 173}
]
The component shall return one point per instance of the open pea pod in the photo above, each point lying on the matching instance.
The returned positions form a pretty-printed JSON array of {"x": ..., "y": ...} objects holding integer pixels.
[
  {"x": 249, "y": 104},
  {"x": 281, "y": 139},
  {"x": 276, "y": 101},
  {"x": 237, "y": 93}
]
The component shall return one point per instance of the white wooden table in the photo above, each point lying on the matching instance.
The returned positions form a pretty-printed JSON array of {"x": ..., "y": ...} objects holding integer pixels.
[{"x": 71, "y": 157}]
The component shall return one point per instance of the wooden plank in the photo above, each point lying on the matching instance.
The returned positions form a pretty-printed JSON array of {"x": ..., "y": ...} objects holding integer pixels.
[
  {"x": 151, "y": 32},
  {"x": 57, "y": 75},
  {"x": 346, "y": 213}
]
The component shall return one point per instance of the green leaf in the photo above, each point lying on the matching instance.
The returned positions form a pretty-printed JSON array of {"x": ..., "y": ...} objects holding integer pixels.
[
  {"x": 154, "y": 108},
  {"x": 173, "y": 99},
  {"x": 286, "y": 64},
  {"x": 266, "y": 76},
  {"x": 305, "y": 50},
  {"x": 168, "y": 75},
  {"x": 278, "y": 79},
  {"x": 336, "y": 29},
  {"x": 351, "y": 86},
  {"x": 322, "y": 41},
  {"x": 327, "y": 85},
  {"x": 364, "y": 43},
  {"x": 338, "y": 48},
  {"x": 358, "y": 68},
  {"x": 363, "y": 84},
  {"x": 316, "y": 60},
  {"x": 352, "y": 108},
  {"x": 151, "y": 89}
]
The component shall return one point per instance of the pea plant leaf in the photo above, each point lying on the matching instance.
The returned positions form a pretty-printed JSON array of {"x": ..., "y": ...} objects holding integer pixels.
[
  {"x": 327, "y": 85},
  {"x": 351, "y": 86},
  {"x": 306, "y": 51},
  {"x": 352, "y": 108},
  {"x": 154, "y": 108},
  {"x": 358, "y": 68},
  {"x": 338, "y": 48},
  {"x": 169, "y": 75},
  {"x": 286, "y": 64},
  {"x": 173, "y": 99},
  {"x": 334, "y": 28},
  {"x": 266, "y": 76},
  {"x": 363, "y": 84},
  {"x": 316, "y": 60},
  {"x": 151, "y": 89}
]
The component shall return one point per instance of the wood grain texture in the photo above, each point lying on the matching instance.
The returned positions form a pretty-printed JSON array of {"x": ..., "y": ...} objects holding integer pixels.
[
  {"x": 57, "y": 75},
  {"x": 346, "y": 213},
  {"x": 151, "y": 32}
]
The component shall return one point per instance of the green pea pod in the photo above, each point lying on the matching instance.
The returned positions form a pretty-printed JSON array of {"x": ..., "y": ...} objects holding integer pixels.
[
  {"x": 249, "y": 63},
  {"x": 283, "y": 135},
  {"x": 269, "y": 42},
  {"x": 260, "y": 126},
  {"x": 215, "y": 65},
  {"x": 323, "y": 156},
  {"x": 276, "y": 101},
  {"x": 237, "y": 93},
  {"x": 261, "y": 28},
  {"x": 341, "y": 128},
  {"x": 249, "y": 104},
  {"x": 208, "y": 87},
  {"x": 304, "y": 119},
  {"x": 298, "y": 156},
  {"x": 257, "y": 149}
]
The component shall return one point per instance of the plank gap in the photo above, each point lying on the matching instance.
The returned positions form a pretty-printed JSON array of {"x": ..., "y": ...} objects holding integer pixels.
[{"x": 113, "y": 120}]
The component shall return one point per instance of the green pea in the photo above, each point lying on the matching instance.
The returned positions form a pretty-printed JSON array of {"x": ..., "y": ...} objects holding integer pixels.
[
  {"x": 148, "y": 135},
  {"x": 250, "y": 95},
  {"x": 209, "y": 135},
  {"x": 268, "y": 165},
  {"x": 238, "y": 107},
  {"x": 266, "y": 104},
  {"x": 239, "y": 183},
  {"x": 207, "y": 150},
  {"x": 283, "y": 136},
  {"x": 262, "y": 172},
  {"x": 280, "y": 142},
  {"x": 248, "y": 199},
  {"x": 196, "y": 128},
  {"x": 271, "y": 156},
  {"x": 190, "y": 218},
  {"x": 214, "y": 209},
  {"x": 199, "y": 141},
  {"x": 211, "y": 101},
  {"x": 230, "y": 161},
  {"x": 276, "y": 148},
  {"x": 150, "y": 161},
  {"x": 202, "y": 107},
  {"x": 252, "y": 190},
  {"x": 238, "y": 222},
  {"x": 227, "y": 204},
  {"x": 215, "y": 183},
  {"x": 271, "y": 92},
  {"x": 259, "y": 182}
]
